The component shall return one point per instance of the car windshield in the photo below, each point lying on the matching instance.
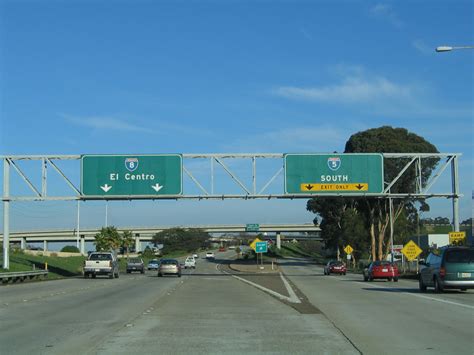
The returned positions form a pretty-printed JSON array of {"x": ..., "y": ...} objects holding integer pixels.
[
  {"x": 381, "y": 263},
  {"x": 460, "y": 256},
  {"x": 100, "y": 257},
  {"x": 169, "y": 262},
  {"x": 135, "y": 261}
]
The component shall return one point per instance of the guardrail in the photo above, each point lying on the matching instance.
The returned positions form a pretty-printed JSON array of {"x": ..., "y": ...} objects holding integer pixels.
[{"x": 21, "y": 276}]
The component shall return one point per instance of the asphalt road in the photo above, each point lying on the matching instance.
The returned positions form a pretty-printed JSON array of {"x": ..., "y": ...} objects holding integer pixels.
[
  {"x": 382, "y": 317},
  {"x": 205, "y": 311},
  {"x": 208, "y": 311}
]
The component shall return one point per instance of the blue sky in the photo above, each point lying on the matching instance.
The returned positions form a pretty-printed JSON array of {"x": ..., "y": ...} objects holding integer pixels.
[{"x": 143, "y": 77}]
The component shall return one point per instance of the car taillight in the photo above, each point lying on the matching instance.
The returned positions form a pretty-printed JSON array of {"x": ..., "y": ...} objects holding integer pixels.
[{"x": 442, "y": 272}]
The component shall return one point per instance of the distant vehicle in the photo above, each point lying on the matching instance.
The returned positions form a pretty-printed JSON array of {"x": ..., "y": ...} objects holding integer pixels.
[
  {"x": 381, "y": 270},
  {"x": 101, "y": 263},
  {"x": 190, "y": 262},
  {"x": 153, "y": 264},
  {"x": 222, "y": 249},
  {"x": 232, "y": 247},
  {"x": 210, "y": 255},
  {"x": 195, "y": 256},
  {"x": 135, "y": 264},
  {"x": 169, "y": 267},
  {"x": 335, "y": 267},
  {"x": 452, "y": 268}
]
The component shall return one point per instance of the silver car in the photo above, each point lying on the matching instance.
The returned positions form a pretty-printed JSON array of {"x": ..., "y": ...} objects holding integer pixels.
[{"x": 169, "y": 267}]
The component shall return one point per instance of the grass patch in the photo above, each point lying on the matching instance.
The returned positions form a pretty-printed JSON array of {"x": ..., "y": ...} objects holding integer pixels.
[{"x": 58, "y": 267}]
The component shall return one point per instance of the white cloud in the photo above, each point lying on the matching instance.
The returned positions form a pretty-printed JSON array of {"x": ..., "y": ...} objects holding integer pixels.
[
  {"x": 385, "y": 12},
  {"x": 149, "y": 126},
  {"x": 352, "y": 90},
  {"x": 306, "y": 33},
  {"x": 422, "y": 47},
  {"x": 106, "y": 123},
  {"x": 301, "y": 138}
]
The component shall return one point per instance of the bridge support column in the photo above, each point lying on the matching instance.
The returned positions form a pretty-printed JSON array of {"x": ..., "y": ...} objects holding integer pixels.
[
  {"x": 45, "y": 245},
  {"x": 138, "y": 245},
  {"x": 278, "y": 236},
  {"x": 23, "y": 243},
  {"x": 83, "y": 244}
]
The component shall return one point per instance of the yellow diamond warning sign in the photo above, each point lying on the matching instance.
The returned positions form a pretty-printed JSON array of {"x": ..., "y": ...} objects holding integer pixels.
[
  {"x": 310, "y": 187},
  {"x": 456, "y": 237},
  {"x": 348, "y": 249},
  {"x": 411, "y": 250},
  {"x": 253, "y": 245}
]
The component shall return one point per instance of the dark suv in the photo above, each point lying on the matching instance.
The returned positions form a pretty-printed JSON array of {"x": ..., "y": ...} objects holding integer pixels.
[
  {"x": 135, "y": 264},
  {"x": 449, "y": 267}
]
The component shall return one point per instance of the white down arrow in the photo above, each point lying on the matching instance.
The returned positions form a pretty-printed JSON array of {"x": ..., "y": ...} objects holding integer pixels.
[
  {"x": 106, "y": 188},
  {"x": 156, "y": 187}
]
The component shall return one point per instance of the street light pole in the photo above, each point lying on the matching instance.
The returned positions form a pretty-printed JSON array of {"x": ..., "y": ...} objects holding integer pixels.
[{"x": 450, "y": 48}]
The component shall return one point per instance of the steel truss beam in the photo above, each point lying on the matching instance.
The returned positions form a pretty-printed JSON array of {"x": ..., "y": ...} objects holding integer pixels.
[{"x": 413, "y": 159}]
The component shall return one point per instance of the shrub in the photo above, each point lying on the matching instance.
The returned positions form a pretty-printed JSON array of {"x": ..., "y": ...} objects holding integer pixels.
[
  {"x": 148, "y": 253},
  {"x": 70, "y": 249}
]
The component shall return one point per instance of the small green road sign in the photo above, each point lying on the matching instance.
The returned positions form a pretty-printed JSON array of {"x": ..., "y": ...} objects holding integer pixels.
[
  {"x": 131, "y": 175},
  {"x": 333, "y": 173},
  {"x": 261, "y": 247},
  {"x": 252, "y": 227}
]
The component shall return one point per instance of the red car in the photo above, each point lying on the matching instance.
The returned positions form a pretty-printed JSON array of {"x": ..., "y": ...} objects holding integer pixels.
[
  {"x": 381, "y": 270},
  {"x": 335, "y": 267}
]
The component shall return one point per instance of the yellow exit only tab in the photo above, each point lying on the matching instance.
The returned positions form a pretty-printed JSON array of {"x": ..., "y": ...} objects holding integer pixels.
[{"x": 313, "y": 187}]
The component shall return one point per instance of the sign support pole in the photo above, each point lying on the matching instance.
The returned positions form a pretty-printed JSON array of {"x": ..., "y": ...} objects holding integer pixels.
[
  {"x": 106, "y": 214},
  {"x": 391, "y": 227},
  {"x": 78, "y": 235},
  {"x": 6, "y": 214},
  {"x": 454, "y": 174}
]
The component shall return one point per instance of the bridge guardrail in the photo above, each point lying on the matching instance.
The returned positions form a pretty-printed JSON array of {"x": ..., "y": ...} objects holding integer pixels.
[{"x": 21, "y": 276}]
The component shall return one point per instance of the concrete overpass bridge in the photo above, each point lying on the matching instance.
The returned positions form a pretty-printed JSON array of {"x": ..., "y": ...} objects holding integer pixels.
[{"x": 146, "y": 233}]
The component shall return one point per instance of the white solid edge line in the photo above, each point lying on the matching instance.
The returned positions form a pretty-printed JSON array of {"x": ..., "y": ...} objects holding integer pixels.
[
  {"x": 276, "y": 294},
  {"x": 291, "y": 292}
]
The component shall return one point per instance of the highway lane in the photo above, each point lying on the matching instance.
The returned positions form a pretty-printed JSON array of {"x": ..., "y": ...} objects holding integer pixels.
[
  {"x": 205, "y": 311},
  {"x": 74, "y": 315},
  {"x": 388, "y": 317},
  {"x": 212, "y": 313}
]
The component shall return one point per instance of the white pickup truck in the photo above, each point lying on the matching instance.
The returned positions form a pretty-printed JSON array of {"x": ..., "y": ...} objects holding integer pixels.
[
  {"x": 101, "y": 263},
  {"x": 190, "y": 262}
]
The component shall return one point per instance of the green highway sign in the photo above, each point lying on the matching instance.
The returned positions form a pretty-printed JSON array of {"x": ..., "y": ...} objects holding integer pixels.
[
  {"x": 131, "y": 175},
  {"x": 261, "y": 247},
  {"x": 253, "y": 227},
  {"x": 333, "y": 173}
]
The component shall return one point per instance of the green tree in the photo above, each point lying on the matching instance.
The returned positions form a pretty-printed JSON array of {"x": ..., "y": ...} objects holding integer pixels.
[
  {"x": 341, "y": 223},
  {"x": 372, "y": 214},
  {"x": 70, "y": 249},
  {"x": 108, "y": 239},
  {"x": 179, "y": 239},
  {"x": 391, "y": 140},
  {"x": 127, "y": 241}
]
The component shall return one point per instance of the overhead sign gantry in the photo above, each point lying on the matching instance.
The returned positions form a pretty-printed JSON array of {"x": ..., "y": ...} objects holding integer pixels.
[{"x": 127, "y": 177}]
